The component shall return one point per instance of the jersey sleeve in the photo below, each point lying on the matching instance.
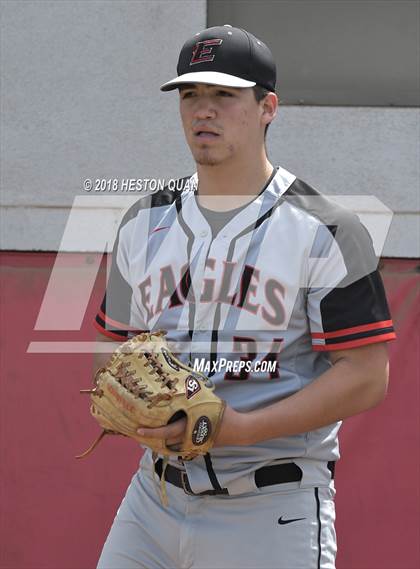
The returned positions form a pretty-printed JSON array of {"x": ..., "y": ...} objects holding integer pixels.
[
  {"x": 346, "y": 302},
  {"x": 117, "y": 317}
]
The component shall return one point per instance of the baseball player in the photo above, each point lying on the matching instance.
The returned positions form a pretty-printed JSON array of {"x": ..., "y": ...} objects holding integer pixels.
[{"x": 271, "y": 290}]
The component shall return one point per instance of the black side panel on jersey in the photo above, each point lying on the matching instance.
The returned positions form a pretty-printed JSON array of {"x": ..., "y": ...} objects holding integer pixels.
[
  {"x": 113, "y": 318},
  {"x": 363, "y": 302}
]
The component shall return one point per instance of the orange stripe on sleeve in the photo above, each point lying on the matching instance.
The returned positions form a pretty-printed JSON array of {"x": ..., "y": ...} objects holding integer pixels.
[
  {"x": 353, "y": 330},
  {"x": 355, "y": 343}
]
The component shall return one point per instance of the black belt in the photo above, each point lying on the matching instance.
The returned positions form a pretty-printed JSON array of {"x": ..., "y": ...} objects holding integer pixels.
[{"x": 265, "y": 476}]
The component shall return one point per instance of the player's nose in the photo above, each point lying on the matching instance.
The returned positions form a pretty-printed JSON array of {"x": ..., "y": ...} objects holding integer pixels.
[{"x": 204, "y": 108}]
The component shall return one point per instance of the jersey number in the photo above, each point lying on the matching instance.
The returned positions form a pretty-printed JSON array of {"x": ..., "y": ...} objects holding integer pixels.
[{"x": 248, "y": 347}]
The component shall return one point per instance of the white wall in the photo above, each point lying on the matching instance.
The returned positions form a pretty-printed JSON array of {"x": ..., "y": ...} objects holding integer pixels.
[
  {"x": 81, "y": 99},
  {"x": 351, "y": 151}
]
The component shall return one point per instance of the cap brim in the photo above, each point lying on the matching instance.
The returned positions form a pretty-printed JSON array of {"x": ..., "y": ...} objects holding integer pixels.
[{"x": 209, "y": 78}]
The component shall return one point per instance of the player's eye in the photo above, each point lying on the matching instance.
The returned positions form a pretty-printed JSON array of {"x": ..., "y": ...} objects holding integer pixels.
[
  {"x": 187, "y": 94},
  {"x": 223, "y": 93}
]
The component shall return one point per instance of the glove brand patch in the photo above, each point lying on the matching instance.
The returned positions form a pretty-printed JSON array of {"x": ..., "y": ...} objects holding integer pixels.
[
  {"x": 169, "y": 360},
  {"x": 201, "y": 431},
  {"x": 192, "y": 386},
  {"x": 202, "y": 51}
]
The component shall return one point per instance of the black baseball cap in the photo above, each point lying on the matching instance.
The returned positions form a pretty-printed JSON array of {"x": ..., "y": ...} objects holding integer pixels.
[{"x": 224, "y": 55}]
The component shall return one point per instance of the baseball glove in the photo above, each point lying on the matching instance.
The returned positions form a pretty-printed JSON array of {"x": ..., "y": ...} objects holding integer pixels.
[{"x": 143, "y": 384}]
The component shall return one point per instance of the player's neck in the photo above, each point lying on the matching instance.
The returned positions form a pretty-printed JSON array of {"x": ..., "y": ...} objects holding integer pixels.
[{"x": 246, "y": 179}]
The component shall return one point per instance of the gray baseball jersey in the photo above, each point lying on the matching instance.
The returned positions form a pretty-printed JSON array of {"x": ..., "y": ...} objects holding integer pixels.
[{"x": 256, "y": 304}]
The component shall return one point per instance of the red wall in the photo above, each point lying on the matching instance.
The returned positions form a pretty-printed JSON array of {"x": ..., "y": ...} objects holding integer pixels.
[{"x": 56, "y": 511}]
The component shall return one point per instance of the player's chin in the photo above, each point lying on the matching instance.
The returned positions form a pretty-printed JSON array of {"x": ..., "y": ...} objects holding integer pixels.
[
  {"x": 207, "y": 161},
  {"x": 205, "y": 158},
  {"x": 209, "y": 157}
]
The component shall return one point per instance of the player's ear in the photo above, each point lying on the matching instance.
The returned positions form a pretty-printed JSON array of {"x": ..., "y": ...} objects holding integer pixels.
[{"x": 269, "y": 107}]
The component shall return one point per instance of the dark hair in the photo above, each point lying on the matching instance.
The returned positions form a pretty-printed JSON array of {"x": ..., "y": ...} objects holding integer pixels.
[{"x": 259, "y": 94}]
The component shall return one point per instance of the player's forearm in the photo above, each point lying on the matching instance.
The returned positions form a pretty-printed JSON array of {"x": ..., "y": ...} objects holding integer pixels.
[{"x": 346, "y": 389}]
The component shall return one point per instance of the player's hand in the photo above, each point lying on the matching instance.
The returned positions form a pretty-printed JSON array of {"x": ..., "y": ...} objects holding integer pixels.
[
  {"x": 232, "y": 430},
  {"x": 172, "y": 434}
]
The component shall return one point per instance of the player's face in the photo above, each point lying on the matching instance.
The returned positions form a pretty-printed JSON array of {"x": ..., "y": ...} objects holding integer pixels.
[{"x": 220, "y": 123}]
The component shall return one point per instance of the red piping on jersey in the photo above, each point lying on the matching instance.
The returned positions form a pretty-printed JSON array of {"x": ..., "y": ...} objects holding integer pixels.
[
  {"x": 353, "y": 330},
  {"x": 159, "y": 229},
  {"x": 106, "y": 332},
  {"x": 115, "y": 322},
  {"x": 355, "y": 343}
]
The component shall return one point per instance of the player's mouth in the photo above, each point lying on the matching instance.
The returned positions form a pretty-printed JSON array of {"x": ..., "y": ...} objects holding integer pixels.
[{"x": 205, "y": 134}]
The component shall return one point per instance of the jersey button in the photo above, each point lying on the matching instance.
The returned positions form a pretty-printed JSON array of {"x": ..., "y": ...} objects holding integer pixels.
[{"x": 203, "y": 234}]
